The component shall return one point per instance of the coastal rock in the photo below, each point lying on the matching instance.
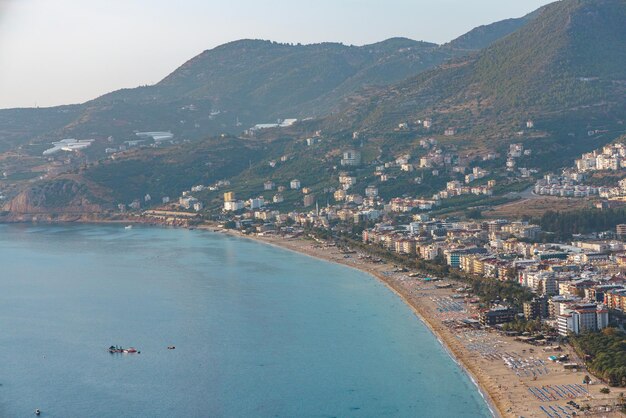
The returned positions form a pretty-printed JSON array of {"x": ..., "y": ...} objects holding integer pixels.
[{"x": 65, "y": 195}]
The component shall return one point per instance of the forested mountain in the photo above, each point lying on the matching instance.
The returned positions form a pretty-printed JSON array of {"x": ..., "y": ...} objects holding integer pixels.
[
  {"x": 483, "y": 36},
  {"x": 564, "y": 67},
  {"x": 160, "y": 171},
  {"x": 242, "y": 83},
  {"x": 247, "y": 81},
  {"x": 571, "y": 57},
  {"x": 19, "y": 126}
]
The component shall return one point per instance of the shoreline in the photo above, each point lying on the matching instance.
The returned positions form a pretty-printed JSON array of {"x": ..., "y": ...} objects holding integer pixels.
[
  {"x": 504, "y": 390},
  {"x": 492, "y": 406},
  {"x": 507, "y": 391}
]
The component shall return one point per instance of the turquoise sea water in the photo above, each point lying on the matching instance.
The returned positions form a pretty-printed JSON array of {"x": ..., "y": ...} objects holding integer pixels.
[{"x": 259, "y": 331}]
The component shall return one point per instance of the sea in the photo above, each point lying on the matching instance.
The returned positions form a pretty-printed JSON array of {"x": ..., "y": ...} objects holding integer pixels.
[{"x": 258, "y": 331}]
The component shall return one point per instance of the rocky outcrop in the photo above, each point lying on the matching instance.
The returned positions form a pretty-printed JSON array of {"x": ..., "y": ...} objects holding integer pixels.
[{"x": 63, "y": 196}]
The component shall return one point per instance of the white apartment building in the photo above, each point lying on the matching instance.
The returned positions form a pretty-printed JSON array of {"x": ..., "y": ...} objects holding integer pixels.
[{"x": 583, "y": 317}]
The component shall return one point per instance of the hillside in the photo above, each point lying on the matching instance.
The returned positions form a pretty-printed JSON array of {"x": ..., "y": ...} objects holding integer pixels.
[
  {"x": 18, "y": 126},
  {"x": 276, "y": 77},
  {"x": 247, "y": 81},
  {"x": 155, "y": 172},
  {"x": 483, "y": 36},
  {"x": 571, "y": 56},
  {"x": 564, "y": 68},
  {"x": 237, "y": 85},
  {"x": 166, "y": 172},
  {"x": 65, "y": 195}
]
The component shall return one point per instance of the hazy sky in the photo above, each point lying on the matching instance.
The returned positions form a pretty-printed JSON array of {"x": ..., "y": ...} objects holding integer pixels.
[{"x": 68, "y": 51}]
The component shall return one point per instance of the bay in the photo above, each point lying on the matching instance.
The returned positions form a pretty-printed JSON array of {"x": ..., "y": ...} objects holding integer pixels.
[{"x": 259, "y": 331}]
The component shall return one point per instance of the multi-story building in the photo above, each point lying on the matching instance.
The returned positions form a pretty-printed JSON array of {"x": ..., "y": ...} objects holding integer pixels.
[
  {"x": 596, "y": 293},
  {"x": 495, "y": 316},
  {"x": 351, "y": 158},
  {"x": 295, "y": 184},
  {"x": 405, "y": 246},
  {"x": 234, "y": 205},
  {"x": 256, "y": 203},
  {"x": 453, "y": 256},
  {"x": 536, "y": 308},
  {"x": 557, "y": 305},
  {"x": 615, "y": 299},
  {"x": 583, "y": 317},
  {"x": 188, "y": 202},
  {"x": 542, "y": 282},
  {"x": 371, "y": 191},
  {"x": 346, "y": 180}
]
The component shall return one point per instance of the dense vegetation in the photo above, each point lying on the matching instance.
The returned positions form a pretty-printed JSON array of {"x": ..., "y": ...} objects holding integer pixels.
[
  {"x": 483, "y": 36},
  {"x": 565, "y": 224},
  {"x": 254, "y": 81},
  {"x": 169, "y": 172},
  {"x": 606, "y": 354},
  {"x": 521, "y": 325},
  {"x": 20, "y": 125},
  {"x": 563, "y": 67},
  {"x": 569, "y": 58},
  {"x": 250, "y": 81},
  {"x": 59, "y": 194}
]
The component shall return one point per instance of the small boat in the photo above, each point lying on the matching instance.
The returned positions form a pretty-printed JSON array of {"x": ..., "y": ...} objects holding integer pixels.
[
  {"x": 128, "y": 227},
  {"x": 120, "y": 350},
  {"x": 171, "y": 347},
  {"x": 37, "y": 411}
]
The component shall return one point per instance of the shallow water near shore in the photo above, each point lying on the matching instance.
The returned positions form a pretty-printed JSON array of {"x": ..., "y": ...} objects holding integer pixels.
[{"x": 259, "y": 331}]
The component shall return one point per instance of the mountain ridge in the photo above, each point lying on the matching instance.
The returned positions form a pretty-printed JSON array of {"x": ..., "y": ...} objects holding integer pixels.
[
  {"x": 281, "y": 81},
  {"x": 542, "y": 68},
  {"x": 563, "y": 69}
]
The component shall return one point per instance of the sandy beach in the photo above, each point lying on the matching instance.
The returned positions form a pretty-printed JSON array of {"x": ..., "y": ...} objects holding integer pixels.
[{"x": 515, "y": 378}]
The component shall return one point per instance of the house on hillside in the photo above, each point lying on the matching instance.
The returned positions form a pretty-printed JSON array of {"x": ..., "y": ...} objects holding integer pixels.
[{"x": 351, "y": 158}]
